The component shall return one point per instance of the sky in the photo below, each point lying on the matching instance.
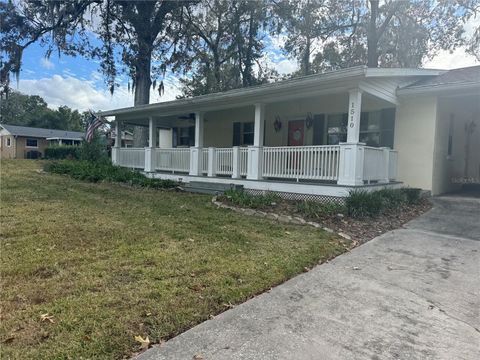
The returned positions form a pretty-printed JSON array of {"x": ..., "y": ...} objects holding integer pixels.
[{"x": 78, "y": 83}]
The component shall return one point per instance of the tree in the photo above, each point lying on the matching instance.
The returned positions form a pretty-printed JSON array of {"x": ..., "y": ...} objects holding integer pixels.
[
  {"x": 307, "y": 24},
  {"x": 32, "y": 110},
  {"x": 223, "y": 47},
  {"x": 392, "y": 33},
  {"x": 137, "y": 37}
]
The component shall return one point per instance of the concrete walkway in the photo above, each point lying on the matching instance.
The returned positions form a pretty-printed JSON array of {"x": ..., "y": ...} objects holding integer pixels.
[{"x": 412, "y": 293}]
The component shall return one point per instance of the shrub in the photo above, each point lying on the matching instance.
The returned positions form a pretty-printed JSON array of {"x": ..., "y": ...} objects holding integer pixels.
[
  {"x": 94, "y": 172},
  {"x": 315, "y": 209},
  {"x": 392, "y": 198},
  {"x": 58, "y": 152},
  {"x": 360, "y": 203},
  {"x": 412, "y": 195},
  {"x": 244, "y": 199}
]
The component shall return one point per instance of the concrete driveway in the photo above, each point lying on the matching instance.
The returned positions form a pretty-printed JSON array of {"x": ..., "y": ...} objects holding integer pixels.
[{"x": 412, "y": 293}]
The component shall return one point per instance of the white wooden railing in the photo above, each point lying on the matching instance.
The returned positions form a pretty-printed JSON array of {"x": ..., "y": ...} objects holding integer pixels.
[
  {"x": 285, "y": 162},
  {"x": 174, "y": 159},
  {"x": 224, "y": 161},
  {"x": 243, "y": 161},
  {"x": 301, "y": 162},
  {"x": 373, "y": 164},
  {"x": 131, "y": 157}
]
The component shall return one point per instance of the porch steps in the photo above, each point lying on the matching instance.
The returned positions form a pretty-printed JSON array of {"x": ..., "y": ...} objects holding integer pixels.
[{"x": 210, "y": 188}]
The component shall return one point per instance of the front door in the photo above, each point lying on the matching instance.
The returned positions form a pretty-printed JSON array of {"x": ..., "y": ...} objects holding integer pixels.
[{"x": 296, "y": 129}]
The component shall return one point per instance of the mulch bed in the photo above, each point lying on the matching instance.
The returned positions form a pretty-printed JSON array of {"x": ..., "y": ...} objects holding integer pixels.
[{"x": 359, "y": 230}]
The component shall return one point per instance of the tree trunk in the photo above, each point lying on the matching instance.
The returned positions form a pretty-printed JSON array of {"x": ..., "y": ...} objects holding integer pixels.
[
  {"x": 142, "y": 92},
  {"x": 306, "y": 57},
  {"x": 372, "y": 40}
]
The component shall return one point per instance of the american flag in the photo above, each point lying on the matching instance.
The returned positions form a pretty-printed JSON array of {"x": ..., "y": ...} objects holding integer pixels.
[{"x": 94, "y": 123}]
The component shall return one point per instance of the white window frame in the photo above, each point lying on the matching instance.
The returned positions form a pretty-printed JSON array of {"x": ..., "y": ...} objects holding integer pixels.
[{"x": 31, "y": 147}]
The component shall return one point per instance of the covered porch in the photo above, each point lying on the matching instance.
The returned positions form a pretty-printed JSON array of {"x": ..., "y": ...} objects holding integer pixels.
[{"x": 326, "y": 141}]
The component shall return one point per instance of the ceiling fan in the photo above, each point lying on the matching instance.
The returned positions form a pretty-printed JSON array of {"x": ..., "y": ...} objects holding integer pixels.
[{"x": 190, "y": 116}]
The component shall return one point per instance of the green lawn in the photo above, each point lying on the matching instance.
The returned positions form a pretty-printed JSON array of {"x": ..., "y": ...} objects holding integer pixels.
[{"x": 110, "y": 262}]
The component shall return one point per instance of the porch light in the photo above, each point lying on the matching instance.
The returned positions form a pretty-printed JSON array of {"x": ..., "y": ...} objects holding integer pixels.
[
  {"x": 309, "y": 120},
  {"x": 277, "y": 124}
]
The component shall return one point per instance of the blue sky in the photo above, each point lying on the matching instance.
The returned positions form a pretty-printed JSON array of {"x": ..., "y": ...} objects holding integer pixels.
[{"x": 77, "y": 82}]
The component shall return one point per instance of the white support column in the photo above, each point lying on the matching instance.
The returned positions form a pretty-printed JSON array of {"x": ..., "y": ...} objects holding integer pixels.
[
  {"x": 386, "y": 165},
  {"x": 236, "y": 163},
  {"x": 211, "y": 162},
  {"x": 255, "y": 152},
  {"x": 196, "y": 151},
  {"x": 118, "y": 143},
  {"x": 352, "y": 152},
  {"x": 354, "y": 112},
  {"x": 152, "y": 143}
]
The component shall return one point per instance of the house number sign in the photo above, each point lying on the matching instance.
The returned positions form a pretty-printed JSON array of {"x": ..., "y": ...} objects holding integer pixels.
[{"x": 352, "y": 115}]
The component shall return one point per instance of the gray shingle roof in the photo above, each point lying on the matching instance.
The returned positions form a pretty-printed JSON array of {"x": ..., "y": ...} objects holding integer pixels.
[
  {"x": 468, "y": 75},
  {"x": 42, "y": 133}
]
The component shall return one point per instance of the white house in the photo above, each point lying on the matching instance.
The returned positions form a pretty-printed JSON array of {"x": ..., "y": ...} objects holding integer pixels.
[{"x": 322, "y": 134}]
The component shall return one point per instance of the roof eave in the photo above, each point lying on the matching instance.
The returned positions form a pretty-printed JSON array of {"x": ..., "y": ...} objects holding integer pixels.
[{"x": 441, "y": 88}]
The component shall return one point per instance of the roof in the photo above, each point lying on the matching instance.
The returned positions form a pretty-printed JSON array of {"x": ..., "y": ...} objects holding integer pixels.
[
  {"x": 463, "y": 78},
  {"x": 271, "y": 91},
  {"x": 42, "y": 133}
]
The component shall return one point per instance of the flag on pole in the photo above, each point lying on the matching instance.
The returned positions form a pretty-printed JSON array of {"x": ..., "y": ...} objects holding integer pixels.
[{"x": 94, "y": 123}]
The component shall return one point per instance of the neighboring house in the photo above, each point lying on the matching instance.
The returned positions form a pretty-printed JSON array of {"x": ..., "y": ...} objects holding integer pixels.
[
  {"x": 324, "y": 134},
  {"x": 127, "y": 138},
  {"x": 21, "y": 142}
]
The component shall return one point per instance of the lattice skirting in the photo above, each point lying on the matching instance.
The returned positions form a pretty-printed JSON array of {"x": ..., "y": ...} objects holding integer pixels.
[{"x": 325, "y": 199}]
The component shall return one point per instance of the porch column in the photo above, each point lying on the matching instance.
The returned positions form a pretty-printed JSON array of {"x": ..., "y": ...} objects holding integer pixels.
[
  {"x": 386, "y": 165},
  {"x": 196, "y": 151},
  {"x": 236, "y": 163},
  {"x": 212, "y": 162},
  {"x": 255, "y": 152},
  {"x": 118, "y": 143},
  {"x": 352, "y": 152},
  {"x": 152, "y": 143}
]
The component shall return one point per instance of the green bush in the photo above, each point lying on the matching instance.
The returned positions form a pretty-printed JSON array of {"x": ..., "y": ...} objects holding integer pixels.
[
  {"x": 392, "y": 198},
  {"x": 94, "y": 172},
  {"x": 314, "y": 209},
  {"x": 58, "y": 152},
  {"x": 412, "y": 195},
  {"x": 244, "y": 199},
  {"x": 95, "y": 151},
  {"x": 360, "y": 203}
]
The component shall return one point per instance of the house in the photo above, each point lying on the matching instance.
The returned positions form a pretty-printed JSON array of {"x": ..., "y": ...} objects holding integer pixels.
[
  {"x": 21, "y": 142},
  {"x": 321, "y": 135}
]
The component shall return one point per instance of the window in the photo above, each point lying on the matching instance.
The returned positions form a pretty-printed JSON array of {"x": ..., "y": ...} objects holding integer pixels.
[
  {"x": 336, "y": 128},
  {"x": 184, "y": 136},
  {"x": 32, "y": 143},
  {"x": 243, "y": 133},
  {"x": 377, "y": 127},
  {"x": 8, "y": 142},
  {"x": 450, "y": 137}
]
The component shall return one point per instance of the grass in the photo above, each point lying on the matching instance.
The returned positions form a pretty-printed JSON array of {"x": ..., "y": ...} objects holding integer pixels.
[{"x": 110, "y": 262}]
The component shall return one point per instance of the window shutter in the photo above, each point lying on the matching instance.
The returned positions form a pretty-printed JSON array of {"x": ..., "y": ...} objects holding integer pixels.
[
  {"x": 237, "y": 133},
  {"x": 174, "y": 137},
  {"x": 318, "y": 129},
  {"x": 191, "y": 135}
]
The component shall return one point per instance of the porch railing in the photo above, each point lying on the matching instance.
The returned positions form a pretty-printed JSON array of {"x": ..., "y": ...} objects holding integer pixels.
[
  {"x": 131, "y": 157},
  {"x": 321, "y": 163},
  {"x": 373, "y": 164},
  {"x": 301, "y": 162},
  {"x": 223, "y": 161},
  {"x": 243, "y": 161},
  {"x": 174, "y": 159}
]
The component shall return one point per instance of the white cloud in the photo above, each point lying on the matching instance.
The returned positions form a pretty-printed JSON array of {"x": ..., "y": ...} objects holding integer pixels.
[
  {"x": 286, "y": 66},
  {"x": 46, "y": 63},
  {"x": 446, "y": 60},
  {"x": 83, "y": 94}
]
